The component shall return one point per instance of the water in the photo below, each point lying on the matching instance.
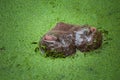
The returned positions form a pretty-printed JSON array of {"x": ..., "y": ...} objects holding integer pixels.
[{"x": 25, "y": 21}]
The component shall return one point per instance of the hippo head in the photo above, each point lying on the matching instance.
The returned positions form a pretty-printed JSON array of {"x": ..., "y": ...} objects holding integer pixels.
[
  {"x": 56, "y": 45},
  {"x": 87, "y": 38}
]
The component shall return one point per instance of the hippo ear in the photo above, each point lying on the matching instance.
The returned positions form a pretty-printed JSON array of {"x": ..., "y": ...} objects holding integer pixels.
[{"x": 93, "y": 29}]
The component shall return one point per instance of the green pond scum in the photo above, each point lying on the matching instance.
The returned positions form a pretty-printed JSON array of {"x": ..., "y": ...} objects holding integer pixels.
[{"x": 23, "y": 22}]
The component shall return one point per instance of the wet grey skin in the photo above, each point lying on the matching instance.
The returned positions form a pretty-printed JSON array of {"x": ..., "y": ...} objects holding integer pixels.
[{"x": 64, "y": 39}]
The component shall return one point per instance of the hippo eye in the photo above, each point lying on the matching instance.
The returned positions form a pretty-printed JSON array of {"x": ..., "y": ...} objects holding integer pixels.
[{"x": 85, "y": 32}]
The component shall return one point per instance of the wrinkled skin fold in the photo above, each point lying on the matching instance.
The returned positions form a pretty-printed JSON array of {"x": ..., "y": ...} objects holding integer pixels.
[{"x": 64, "y": 39}]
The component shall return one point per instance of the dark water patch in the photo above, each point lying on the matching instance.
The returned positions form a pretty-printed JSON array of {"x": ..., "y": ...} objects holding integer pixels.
[
  {"x": 105, "y": 32},
  {"x": 28, "y": 68},
  {"x": 36, "y": 49},
  {"x": 90, "y": 69},
  {"x": 106, "y": 36},
  {"x": 18, "y": 65},
  {"x": 118, "y": 18},
  {"x": 77, "y": 9},
  {"x": 53, "y": 4},
  {"x": 57, "y": 19},
  {"x": 21, "y": 40},
  {"x": 2, "y": 48},
  {"x": 34, "y": 42}
]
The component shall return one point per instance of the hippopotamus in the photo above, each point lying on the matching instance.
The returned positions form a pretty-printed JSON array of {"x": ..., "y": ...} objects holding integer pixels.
[{"x": 64, "y": 39}]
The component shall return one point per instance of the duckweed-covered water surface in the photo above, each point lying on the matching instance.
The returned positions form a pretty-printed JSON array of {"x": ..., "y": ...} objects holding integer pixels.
[{"x": 24, "y": 22}]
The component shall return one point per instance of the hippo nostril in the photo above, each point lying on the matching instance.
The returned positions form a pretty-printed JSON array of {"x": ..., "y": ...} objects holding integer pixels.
[
  {"x": 47, "y": 37},
  {"x": 50, "y": 37}
]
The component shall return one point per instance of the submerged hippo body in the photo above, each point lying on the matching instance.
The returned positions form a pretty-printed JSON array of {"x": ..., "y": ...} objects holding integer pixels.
[{"x": 64, "y": 39}]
